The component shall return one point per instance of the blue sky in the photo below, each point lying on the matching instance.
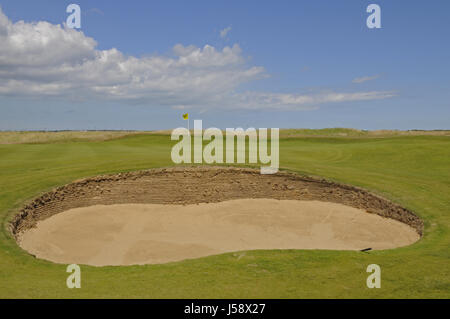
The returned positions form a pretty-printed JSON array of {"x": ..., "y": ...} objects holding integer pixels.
[{"x": 295, "y": 64}]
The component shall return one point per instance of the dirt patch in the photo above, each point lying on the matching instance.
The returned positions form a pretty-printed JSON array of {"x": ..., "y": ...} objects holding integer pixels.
[
  {"x": 129, "y": 234},
  {"x": 194, "y": 185}
]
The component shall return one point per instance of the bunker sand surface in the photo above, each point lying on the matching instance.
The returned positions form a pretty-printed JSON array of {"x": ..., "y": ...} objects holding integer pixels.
[{"x": 129, "y": 234}]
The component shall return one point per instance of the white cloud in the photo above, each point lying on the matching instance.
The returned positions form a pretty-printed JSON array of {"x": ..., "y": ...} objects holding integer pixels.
[
  {"x": 41, "y": 59},
  {"x": 365, "y": 78},
  {"x": 96, "y": 11},
  {"x": 254, "y": 100},
  {"x": 224, "y": 32}
]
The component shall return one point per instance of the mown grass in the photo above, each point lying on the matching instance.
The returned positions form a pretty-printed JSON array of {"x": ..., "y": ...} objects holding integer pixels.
[{"x": 413, "y": 171}]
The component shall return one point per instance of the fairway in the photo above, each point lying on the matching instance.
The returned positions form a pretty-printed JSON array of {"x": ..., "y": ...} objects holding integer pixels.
[{"x": 412, "y": 171}]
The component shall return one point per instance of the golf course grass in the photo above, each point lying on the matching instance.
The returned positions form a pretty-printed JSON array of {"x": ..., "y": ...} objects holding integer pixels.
[{"x": 413, "y": 171}]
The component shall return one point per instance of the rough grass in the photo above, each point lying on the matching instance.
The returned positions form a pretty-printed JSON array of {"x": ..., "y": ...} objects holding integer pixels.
[
  {"x": 412, "y": 170},
  {"x": 348, "y": 132},
  {"x": 39, "y": 137}
]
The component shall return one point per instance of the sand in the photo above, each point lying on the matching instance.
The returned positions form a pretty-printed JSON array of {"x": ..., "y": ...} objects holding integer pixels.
[
  {"x": 202, "y": 184},
  {"x": 129, "y": 234}
]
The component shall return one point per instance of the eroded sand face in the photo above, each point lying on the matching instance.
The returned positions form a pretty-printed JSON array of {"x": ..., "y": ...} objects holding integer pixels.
[{"x": 131, "y": 234}]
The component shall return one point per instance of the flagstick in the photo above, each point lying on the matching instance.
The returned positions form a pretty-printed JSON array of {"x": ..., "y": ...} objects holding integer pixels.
[{"x": 188, "y": 126}]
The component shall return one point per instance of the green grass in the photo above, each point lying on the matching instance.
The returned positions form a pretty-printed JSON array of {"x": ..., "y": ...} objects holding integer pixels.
[{"x": 412, "y": 170}]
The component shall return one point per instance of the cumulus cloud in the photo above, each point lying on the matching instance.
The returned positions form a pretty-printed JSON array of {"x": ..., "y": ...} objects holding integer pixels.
[
  {"x": 45, "y": 60},
  {"x": 365, "y": 78},
  {"x": 224, "y": 32}
]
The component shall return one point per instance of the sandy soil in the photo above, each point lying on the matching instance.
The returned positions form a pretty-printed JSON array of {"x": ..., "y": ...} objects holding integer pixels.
[{"x": 127, "y": 234}]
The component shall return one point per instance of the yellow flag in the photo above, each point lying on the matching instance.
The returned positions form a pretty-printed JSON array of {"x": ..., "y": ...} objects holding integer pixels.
[{"x": 186, "y": 116}]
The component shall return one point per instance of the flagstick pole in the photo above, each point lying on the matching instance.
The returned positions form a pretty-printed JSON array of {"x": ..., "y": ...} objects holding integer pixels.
[{"x": 188, "y": 126}]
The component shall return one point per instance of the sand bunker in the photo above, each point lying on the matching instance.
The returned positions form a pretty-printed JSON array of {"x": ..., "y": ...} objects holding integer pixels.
[
  {"x": 130, "y": 234},
  {"x": 170, "y": 214}
]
